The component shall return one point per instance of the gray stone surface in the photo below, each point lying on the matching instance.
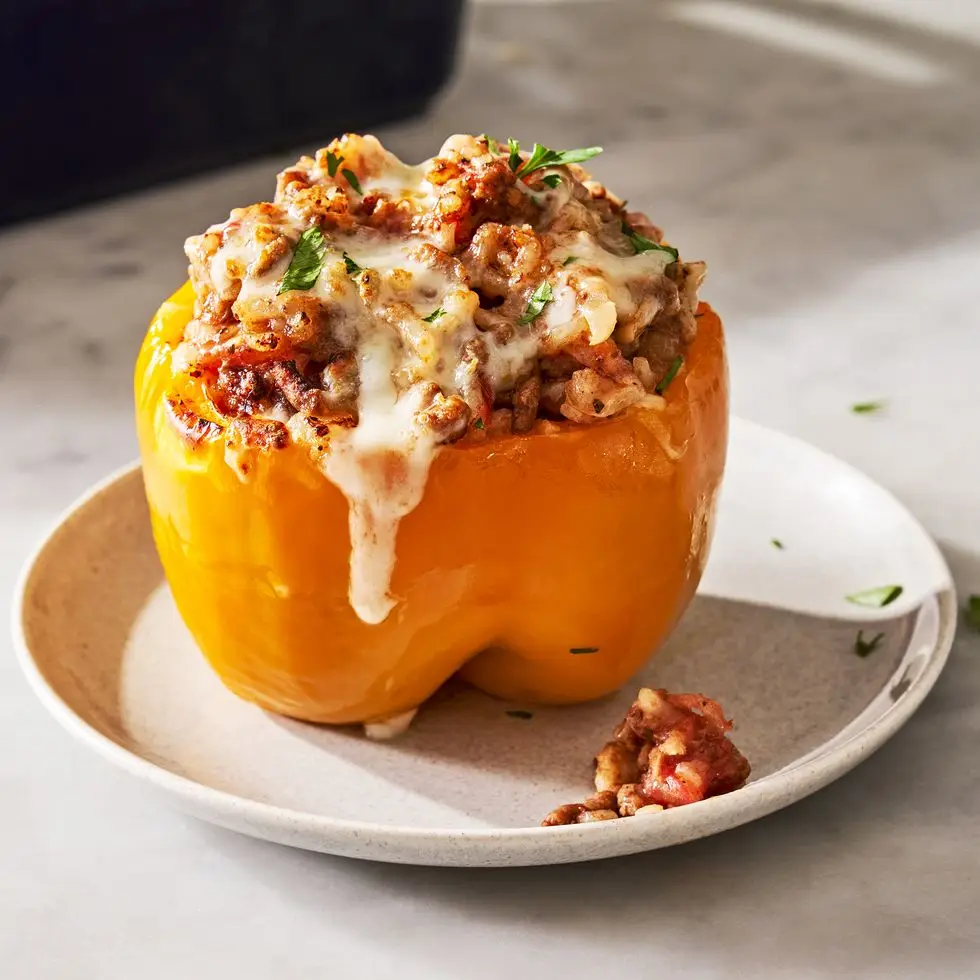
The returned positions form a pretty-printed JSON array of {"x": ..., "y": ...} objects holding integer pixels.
[{"x": 840, "y": 214}]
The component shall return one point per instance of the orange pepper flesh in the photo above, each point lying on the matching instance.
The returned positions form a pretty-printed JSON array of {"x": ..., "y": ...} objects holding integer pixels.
[{"x": 523, "y": 550}]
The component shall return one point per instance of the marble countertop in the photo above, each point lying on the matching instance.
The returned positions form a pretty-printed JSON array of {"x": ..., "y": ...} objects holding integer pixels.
[{"x": 830, "y": 175}]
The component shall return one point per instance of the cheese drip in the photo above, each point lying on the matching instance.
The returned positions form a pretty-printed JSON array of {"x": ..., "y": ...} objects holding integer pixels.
[{"x": 381, "y": 466}]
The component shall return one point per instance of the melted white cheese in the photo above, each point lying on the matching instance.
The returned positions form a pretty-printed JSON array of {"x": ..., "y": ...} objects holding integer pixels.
[
  {"x": 381, "y": 466},
  {"x": 550, "y": 199},
  {"x": 391, "y": 728},
  {"x": 391, "y": 257},
  {"x": 617, "y": 269},
  {"x": 602, "y": 296},
  {"x": 506, "y": 362},
  {"x": 240, "y": 247},
  {"x": 400, "y": 180}
]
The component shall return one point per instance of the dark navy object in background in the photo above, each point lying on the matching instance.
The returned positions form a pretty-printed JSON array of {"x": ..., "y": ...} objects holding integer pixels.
[{"x": 105, "y": 96}]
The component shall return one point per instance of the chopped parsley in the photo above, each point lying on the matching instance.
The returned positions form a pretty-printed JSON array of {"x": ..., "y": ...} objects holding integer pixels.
[
  {"x": 351, "y": 266},
  {"x": 306, "y": 263},
  {"x": 900, "y": 688},
  {"x": 776, "y": 543},
  {"x": 552, "y": 180},
  {"x": 520, "y": 713},
  {"x": 577, "y": 650},
  {"x": 866, "y": 408},
  {"x": 972, "y": 612},
  {"x": 670, "y": 375},
  {"x": 641, "y": 243},
  {"x": 863, "y": 647},
  {"x": 540, "y": 298},
  {"x": 515, "y": 153},
  {"x": 478, "y": 424},
  {"x": 352, "y": 180},
  {"x": 542, "y": 157},
  {"x": 570, "y": 260},
  {"x": 885, "y": 595},
  {"x": 492, "y": 144},
  {"x": 333, "y": 162},
  {"x": 434, "y": 315}
]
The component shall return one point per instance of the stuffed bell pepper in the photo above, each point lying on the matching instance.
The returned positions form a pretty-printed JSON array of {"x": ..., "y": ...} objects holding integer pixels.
[{"x": 411, "y": 421}]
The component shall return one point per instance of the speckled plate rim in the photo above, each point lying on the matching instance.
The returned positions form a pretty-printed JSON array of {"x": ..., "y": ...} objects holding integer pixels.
[{"x": 504, "y": 847}]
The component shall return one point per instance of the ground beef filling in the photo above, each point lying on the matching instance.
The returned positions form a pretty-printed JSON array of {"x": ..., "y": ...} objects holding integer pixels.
[
  {"x": 669, "y": 750},
  {"x": 505, "y": 300}
]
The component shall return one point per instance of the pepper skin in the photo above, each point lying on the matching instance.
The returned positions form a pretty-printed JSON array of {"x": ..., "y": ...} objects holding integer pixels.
[{"x": 545, "y": 567}]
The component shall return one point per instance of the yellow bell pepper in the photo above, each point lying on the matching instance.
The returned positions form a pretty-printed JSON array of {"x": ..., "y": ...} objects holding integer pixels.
[{"x": 544, "y": 567}]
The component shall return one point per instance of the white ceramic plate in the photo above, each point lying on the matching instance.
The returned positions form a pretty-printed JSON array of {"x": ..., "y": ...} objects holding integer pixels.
[{"x": 770, "y": 635}]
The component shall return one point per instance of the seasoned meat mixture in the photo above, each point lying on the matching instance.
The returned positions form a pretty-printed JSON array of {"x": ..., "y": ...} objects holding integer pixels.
[{"x": 671, "y": 749}]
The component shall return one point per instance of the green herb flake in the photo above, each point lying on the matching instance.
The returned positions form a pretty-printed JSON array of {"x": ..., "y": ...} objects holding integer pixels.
[
  {"x": 434, "y": 315},
  {"x": 478, "y": 424},
  {"x": 351, "y": 266},
  {"x": 900, "y": 688},
  {"x": 578, "y": 650},
  {"x": 885, "y": 595},
  {"x": 492, "y": 145},
  {"x": 306, "y": 263},
  {"x": 515, "y": 153},
  {"x": 670, "y": 375},
  {"x": 333, "y": 162},
  {"x": 641, "y": 243},
  {"x": 520, "y": 713},
  {"x": 863, "y": 647},
  {"x": 972, "y": 612},
  {"x": 352, "y": 180},
  {"x": 552, "y": 180},
  {"x": 866, "y": 408},
  {"x": 542, "y": 157},
  {"x": 540, "y": 298},
  {"x": 776, "y": 543},
  {"x": 570, "y": 260}
]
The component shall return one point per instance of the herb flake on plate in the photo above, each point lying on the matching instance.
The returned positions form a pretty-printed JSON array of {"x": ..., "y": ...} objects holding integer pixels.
[
  {"x": 866, "y": 408},
  {"x": 578, "y": 650},
  {"x": 884, "y": 595},
  {"x": 306, "y": 263},
  {"x": 520, "y": 713},
  {"x": 777, "y": 544},
  {"x": 972, "y": 612},
  {"x": 863, "y": 647}
]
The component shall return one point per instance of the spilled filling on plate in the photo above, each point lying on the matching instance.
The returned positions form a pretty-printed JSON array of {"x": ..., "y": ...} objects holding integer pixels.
[
  {"x": 375, "y": 311},
  {"x": 669, "y": 750}
]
